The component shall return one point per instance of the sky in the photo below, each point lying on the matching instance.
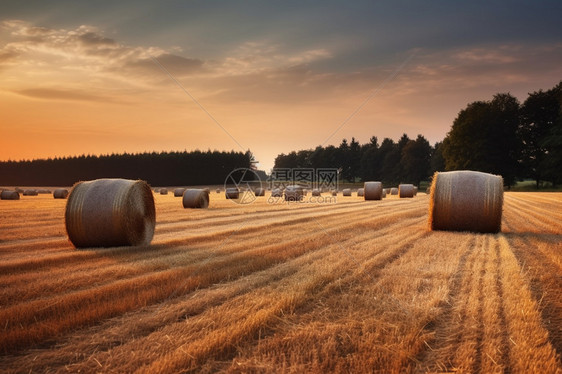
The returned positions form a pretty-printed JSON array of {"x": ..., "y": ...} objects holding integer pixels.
[{"x": 102, "y": 77}]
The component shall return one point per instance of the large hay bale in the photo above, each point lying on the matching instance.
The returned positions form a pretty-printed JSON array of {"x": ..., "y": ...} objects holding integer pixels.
[
  {"x": 30, "y": 193},
  {"x": 394, "y": 191},
  {"x": 163, "y": 191},
  {"x": 293, "y": 193},
  {"x": 361, "y": 192},
  {"x": 110, "y": 212},
  {"x": 346, "y": 192},
  {"x": 259, "y": 191},
  {"x": 232, "y": 193},
  {"x": 178, "y": 192},
  {"x": 277, "y": 192},
  {"x": 466, "y": 201},
  {"x": 60, "y": 193},
  {"x": 9, "y": 195},
  {"x": 196, "y": 198},
  {"x": 373, "y": 190},
  {"x": 316, "y": 192},
  {"x": 405, "y": 190}
]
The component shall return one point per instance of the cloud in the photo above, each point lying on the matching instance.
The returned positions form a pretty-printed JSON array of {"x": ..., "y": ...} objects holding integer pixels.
[{"x": 60, "y": 94}]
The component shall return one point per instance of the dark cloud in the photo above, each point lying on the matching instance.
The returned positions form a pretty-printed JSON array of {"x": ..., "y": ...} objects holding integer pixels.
[
  {"x": 94, "y": 39},
  {"x": 176, "y": 65}
]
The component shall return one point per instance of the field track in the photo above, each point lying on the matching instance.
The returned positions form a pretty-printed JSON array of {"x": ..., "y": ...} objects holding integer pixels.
[{"x": 355, "y": 286}]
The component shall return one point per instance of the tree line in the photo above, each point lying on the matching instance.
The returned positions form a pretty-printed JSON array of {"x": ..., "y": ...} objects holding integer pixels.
[
  {"x": 158, "y": 169},
  {"x": 500, "y": 136}
]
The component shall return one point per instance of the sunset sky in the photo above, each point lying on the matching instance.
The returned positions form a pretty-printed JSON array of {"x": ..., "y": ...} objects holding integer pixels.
[{"x": 99, "y": 77}]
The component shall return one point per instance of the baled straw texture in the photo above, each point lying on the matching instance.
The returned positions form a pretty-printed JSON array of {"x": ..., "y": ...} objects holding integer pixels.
[
  {"x": 60, "y": 193},
  {"x": 466, "y": 200},
  {"x": 394, "y": 191},
  {"x": 346, "y": 192},
  {"x": 316, "y": 192},
  {"x": 259, "y": 191},
  {"x": 406, "y": 190},
  {"x": 232, "y": 193},
  {"x": 276, "y": 192},
  {"x": 361, "y": 192},
  {"x": 9, "y": 195},
  {"x": 30, "y": 193},
  {"x": 163, "y": 191},
  {"x": 294, "y": 193},
  {"x": 110, "y": 212},
  {"x": 195, "y": 198},
  {"x": 372, "y": 190},
  {"x": 178, "y": 192}
]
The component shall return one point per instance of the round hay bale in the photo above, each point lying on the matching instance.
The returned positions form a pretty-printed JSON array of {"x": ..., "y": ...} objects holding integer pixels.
[
  {"x": 405, "y": 190},
  {"x": 373, "y": 190},
  {"x": 383, "y": 193},
  {"x": 178, "y": 192},
  {"x": 259, "y": 191},
  {"x": 9, "y": 195},
  {"x": 232, "y": 193},
  {"x": 346, "y": 192},
  {"x": 415, "y": 190},
  {"x": 109, "y": 213},
  {"x": 30, "y": 193},
  {"x": 466, "y": 200},
  {"x": 276, "y": 192},
  {"x": 316, "y": 192},
  {"x": 196, "y": 198},
  {"x": 218, "y": 190},
  {"x": 334, "y": 193},
  {"x": 60, "y": 193},
  {"x": 294, "y": 193},
  {"x": 163, "y": 191},
  {"x": 19, "y": 190},
  {"x": 360, "y": 192},
  {"x": 43, "y": 192},
  {"x": 207, "y": 189},
  {"x": 394, "y": 191}
]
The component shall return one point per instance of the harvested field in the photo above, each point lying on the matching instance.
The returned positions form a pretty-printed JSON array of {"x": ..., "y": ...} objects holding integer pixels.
[{"x": 355, "y": 286}]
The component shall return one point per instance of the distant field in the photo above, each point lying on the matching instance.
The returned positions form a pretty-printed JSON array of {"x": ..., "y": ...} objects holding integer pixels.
[{"x": 348, "y": 287}]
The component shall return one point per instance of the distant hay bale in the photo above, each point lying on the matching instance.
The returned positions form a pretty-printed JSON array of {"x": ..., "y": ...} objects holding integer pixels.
[
  {"x": 334, "y": 192},
  {"x": 394, "y": 191},
  {"x": 259, "y": 191},
  {"x": 19, "y": 190},
  {"x": 276, "y": 192},
  {"x": 293, "y": 193},
  {"x": 372, "y": 190},
  {"x": 163, "y": 191},
  {"x": 361, "y": 192},
  {"x": 383, "y": 193},
  {"x": 195, "y": 198},
  {"x": 405, "y": 190},
  {"x": 346, "y": 192},
  {"x": 466, "y": 201},
  {"x": 218, "y": 190},
  {"x": 316, "y": 192},
  {"x": 207, "y": 189},
  {"x": 415, "y": 190},
  {"x": 43, "y": 191},
  {"x": 109, "y": 213},
  {"x": 387, "y": 191},
  {"x": 30, "y": 193},
  {"x": 232, "y": 193},
  {"x": 60, "y": 193},
  {"x": 9, "y": 195},
  {"x": 178, "y": 192}
]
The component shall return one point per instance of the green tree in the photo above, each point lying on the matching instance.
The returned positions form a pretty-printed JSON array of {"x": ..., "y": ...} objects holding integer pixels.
[
  {"x": 540, "y": 114},
  {"x": 484, "y": 138},
  {"x": 416, "y": 160}
]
